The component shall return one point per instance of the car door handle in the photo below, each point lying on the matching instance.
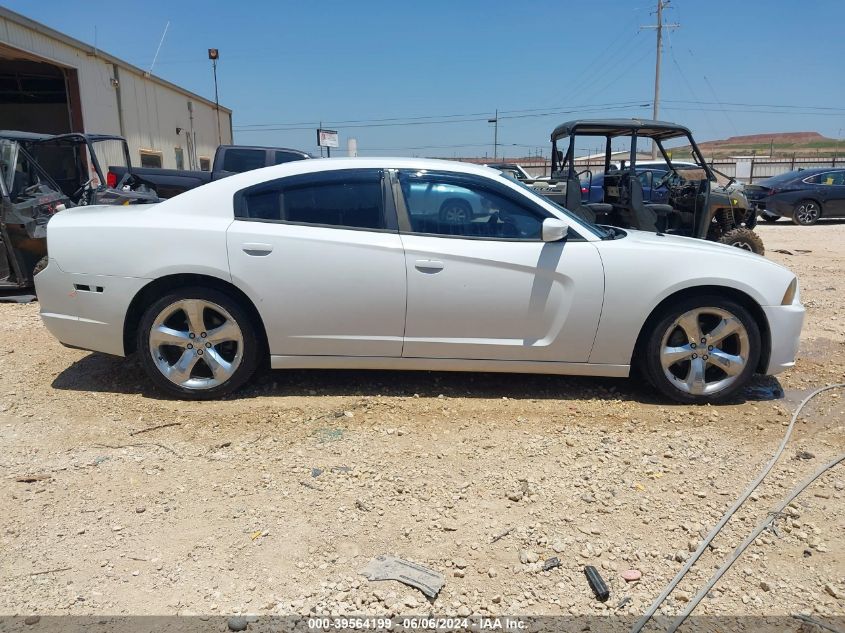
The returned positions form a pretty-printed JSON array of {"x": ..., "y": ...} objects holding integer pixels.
[
  {"x": 257, "y": 249},
  {"x": 428, "y": 265}
]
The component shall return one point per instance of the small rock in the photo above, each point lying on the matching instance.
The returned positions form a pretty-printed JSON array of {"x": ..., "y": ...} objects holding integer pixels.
[
  {"x": 526, "y": 556},
  {"x": 460, "y": 563},
  {"x": 117, "y": 528},
  {"x": 680, "y": 556},
  {"x": 492, "y": 572},
  {"x": 692, "y": 545},
  {"x": 831, "y": 590},
  {"x": 411, "y": 602},
  {"x": 497, "y": 599},
  {"x": 765, "y": 586},
  {"x": 459, "y": 573},
  {"x": 464, "y": 611},
  {"x": 551, "y": 563},
  {"x": 631, "y": 575},
  {"x": 32, "y": 619},
  {"x": 237, "y": 623}
]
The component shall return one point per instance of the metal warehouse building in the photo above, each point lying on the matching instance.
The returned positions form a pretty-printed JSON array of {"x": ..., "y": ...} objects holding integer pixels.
[{"x": 52, "y": 83}]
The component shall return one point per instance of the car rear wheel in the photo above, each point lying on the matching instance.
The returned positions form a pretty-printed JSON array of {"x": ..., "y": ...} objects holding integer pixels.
[
  {"x": 455, "y": 212},
  {"x": 198, "y": 344},
  {"x": 701, "y": 350},
  {"x": 806, "y": 213},
  {"x": 745, "y": 239}
]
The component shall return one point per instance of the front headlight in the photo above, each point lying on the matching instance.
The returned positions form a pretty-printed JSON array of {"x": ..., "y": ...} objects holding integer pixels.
[{"x": 791, "y": 294}]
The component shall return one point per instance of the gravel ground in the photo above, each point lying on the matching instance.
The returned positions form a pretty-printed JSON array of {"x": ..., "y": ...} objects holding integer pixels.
[{"x": 270, "y": 503}]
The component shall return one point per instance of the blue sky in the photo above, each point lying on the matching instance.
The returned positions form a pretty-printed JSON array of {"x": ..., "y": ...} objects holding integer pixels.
[{"x": 733, "y": 67}]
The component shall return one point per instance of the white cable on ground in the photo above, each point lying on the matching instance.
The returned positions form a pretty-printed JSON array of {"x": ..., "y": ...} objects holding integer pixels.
[
  {"x": 728, "y": 514},
  {"x": 750, "y": 539}
]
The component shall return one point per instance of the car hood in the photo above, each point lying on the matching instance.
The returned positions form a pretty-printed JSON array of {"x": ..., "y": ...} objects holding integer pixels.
[
  {"x": 702, "y": 249},
  {"x": 669, "y": 263},
  {"x": 663, "y": 240}
]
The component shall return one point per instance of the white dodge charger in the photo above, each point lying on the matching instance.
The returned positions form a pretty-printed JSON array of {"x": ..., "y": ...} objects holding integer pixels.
[{"x": 357, "y": 263}]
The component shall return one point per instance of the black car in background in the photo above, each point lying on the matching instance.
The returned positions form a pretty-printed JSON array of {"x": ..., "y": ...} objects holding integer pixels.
[{"x": 803, "y": 196}]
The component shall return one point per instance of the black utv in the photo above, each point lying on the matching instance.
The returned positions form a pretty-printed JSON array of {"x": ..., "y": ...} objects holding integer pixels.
[
  {"x": 41, "y": 174},
  {"x": 697, "y": 206},
  {"x": 28, "y": 199}
]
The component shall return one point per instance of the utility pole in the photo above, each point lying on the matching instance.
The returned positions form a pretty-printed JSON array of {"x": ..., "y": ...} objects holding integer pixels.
[
  {"x": 661, "y": 4},
  {"x": 495, "y": 121},
  {"x": 213, "y": 55}
]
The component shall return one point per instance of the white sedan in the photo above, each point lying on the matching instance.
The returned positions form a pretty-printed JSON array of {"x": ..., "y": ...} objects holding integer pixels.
[{"x": 333, "y": 264}]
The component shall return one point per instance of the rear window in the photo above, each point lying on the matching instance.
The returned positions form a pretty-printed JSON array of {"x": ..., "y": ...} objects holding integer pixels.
[
  {"x": 285, "y": 157},
  {"x": 342, "y": 198},
  {"x": 240, "y": 160}
]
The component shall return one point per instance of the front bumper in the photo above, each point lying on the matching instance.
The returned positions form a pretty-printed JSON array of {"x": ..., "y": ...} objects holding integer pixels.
[
  {"x": 85, "y": 311},
  {"x": 785, "y": 329}
]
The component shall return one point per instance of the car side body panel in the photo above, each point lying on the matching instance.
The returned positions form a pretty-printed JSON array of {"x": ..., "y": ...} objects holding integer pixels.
[
  {"x": 321, "y": 290},
  {"x": 643, "y": 269},
  {"x": 487, "y": 299}
]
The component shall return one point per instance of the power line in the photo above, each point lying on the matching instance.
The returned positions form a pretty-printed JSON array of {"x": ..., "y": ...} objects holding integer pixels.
[
  {"x": 396, "y": 122},
  {"x": 442, "y": 118}
]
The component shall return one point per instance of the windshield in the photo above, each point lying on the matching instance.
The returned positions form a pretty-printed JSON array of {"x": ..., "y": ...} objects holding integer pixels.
[
  {"x": 593, "y": 228},
  {"x": 110, "y": 153}
]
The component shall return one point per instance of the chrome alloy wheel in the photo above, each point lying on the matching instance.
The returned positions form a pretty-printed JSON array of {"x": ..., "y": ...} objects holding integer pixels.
[
  {"x": 704, "y": 351},
  {"x": 455, "y": 214},
  {"x": 807, "y": 212},
  {"x": 196, "y": 344}
]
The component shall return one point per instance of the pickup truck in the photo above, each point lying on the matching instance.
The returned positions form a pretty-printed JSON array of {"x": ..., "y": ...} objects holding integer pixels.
[{"x": 228, "y": 160}]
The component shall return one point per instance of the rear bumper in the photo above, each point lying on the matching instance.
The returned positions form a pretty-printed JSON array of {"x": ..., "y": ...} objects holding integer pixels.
[
  {"x": 89, "y": 318},
  {"x": 785, "y": 328}
]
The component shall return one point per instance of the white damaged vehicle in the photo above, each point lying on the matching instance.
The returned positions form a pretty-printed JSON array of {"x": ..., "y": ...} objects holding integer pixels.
[{"x": 332, "y": 264}]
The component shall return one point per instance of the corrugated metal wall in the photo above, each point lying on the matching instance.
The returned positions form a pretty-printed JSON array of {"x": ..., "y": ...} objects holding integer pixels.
[{"x": 151, "y": 110}]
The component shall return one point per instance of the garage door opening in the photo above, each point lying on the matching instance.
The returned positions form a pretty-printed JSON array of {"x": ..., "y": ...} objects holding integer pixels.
[{"x": 37, "y": 96}]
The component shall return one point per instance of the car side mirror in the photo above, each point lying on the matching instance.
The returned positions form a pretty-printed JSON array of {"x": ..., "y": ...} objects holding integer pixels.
[{"x": 554, "y": 230}]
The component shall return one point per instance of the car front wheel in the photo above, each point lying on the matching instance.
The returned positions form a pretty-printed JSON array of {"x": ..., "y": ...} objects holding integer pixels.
[
  {"x": 198, "y": 344},
  {"x": 702, "y": 350}
]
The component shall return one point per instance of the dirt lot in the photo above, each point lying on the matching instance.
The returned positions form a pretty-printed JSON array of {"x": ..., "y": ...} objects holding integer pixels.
[{"x": 272, "y": 501}]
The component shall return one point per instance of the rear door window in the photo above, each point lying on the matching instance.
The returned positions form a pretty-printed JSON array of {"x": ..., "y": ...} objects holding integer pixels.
[
  {"x": 348, "y": 198},
  {"x": 240, "y": 160},
  {"x": 285, "y": 157}
]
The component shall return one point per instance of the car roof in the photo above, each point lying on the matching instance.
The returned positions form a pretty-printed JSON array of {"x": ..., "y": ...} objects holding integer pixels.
[
  {"x": 620, "y": 127},
  {"x": 17, "y": 135},
  {"x": 376, "y": 162},
  {"x": 266, "y": 147}
]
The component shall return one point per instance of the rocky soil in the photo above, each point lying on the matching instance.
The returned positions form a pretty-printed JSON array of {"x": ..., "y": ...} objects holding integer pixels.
[{"x": 272, "y": 501}]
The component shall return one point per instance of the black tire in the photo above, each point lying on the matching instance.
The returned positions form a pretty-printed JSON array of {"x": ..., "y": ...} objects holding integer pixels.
[
  {"x": 769, "y": 217},
  {"x": 806, "y": 213},
  {"x": 665, "y": 325},
  {"x": 750, "y": 220},
  {"x": 455, "y": 211},
  {"x": 745, "y": 239},
  {"x": 248, "y": 350}
]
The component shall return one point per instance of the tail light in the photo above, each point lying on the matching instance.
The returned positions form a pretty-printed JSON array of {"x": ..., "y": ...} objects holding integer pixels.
[
  {"x": 584, "y": 190},
  {"x": 111, "y": 179}
]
